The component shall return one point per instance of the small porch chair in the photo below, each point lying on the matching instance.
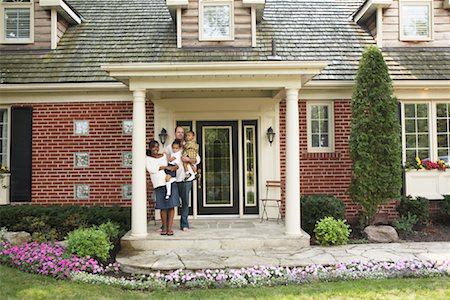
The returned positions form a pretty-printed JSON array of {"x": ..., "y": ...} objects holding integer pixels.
[{"x": 271, "y": 202}]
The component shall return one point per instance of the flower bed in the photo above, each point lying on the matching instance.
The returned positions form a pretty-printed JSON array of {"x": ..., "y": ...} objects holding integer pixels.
[
  {"x": 49, "y": 259},
  {"x": 271, "y": 276}
]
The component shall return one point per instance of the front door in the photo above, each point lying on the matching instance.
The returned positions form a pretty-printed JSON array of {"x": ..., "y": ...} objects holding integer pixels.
[{"x": 218, "y": 185}]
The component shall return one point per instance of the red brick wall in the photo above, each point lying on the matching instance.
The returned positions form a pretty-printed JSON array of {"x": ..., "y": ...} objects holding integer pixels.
[
  {"x": 325, "y": 173},
  {"x": 54, "y": 145}
]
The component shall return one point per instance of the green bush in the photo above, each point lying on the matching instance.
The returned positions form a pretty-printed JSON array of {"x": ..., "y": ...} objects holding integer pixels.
[
  {"x": 405, "y": 224},
  {"x": 64, "y": 219},
  {"x": 375, "y": 146},
  {"x": 111, "y": 229},
  {"x": 330, "y": 231},
  {"x": 89, "y": 242},
  {"x": 38, "y": 228},
  {"x": 415, "y": 206},
  {"x": 316, "y": 207},
  {"x": 444, "y": 210}
]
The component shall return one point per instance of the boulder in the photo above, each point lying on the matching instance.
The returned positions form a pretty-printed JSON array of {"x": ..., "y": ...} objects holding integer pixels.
[
  {"x": 17, "y": 238},
  {"x": 381, "y": 234}
]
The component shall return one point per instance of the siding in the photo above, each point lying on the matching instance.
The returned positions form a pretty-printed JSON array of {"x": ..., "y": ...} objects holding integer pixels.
[
  {"x": 441, "y": 27},
  {"x": 62, "y": 26},
  {"x": 242, "y": 27},
  {"x": 42, "y": 31}
]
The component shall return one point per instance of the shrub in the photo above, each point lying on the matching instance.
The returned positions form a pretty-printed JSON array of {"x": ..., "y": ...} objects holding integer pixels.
[
  {"x": 405, "y": 224},
  {"x": 444, "y": 210},
  {"x": 38, "y": 228},
  {"x": 415, "y": 206},
  {"x": 111, "y": 230},
  {"x": 375, "y": 147},
  {"x": 330, "y": 231},
  {"x": 89, "y": 242},
  {"x": 316, "y": 207},
  {"x": 64, "y": 219}
]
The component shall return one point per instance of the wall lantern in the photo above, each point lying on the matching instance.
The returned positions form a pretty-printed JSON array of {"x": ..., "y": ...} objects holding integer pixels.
[
  {"x": 270, "y": 135},
  {"x": 163, "y": 136}
]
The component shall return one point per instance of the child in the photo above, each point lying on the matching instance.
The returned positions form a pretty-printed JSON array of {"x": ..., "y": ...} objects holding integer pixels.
[
  {"x": 174, "y": 160},
  {"x": 190, "y": 150}
]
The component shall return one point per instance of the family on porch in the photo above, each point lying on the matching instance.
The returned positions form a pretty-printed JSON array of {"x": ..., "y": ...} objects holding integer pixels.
[{"x": 172, "y": 174}]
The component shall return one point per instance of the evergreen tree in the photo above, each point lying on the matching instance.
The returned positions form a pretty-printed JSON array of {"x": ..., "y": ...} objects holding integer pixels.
[{"x": 375, "y": 147}]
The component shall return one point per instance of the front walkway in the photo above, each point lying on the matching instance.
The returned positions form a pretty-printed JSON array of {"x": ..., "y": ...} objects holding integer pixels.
[{"x": 204, "y": 247}]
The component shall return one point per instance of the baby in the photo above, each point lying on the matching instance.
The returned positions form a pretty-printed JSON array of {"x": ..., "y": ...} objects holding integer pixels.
[
  {"x": 174, "y": 160},
  {"x": 190, "y": 150}
]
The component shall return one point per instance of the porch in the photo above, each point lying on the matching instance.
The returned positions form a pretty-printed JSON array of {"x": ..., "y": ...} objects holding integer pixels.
[{"x": 217, "y": 243}]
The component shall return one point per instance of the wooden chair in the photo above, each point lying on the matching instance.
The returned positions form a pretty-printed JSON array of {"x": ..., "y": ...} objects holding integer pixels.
[{"x": 275, "y": 202}]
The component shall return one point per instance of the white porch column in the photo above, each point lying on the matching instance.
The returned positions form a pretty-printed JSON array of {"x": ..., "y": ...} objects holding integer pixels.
[
  {"x": 292, "y": 164},
  {"x": 139, "y": 176}
]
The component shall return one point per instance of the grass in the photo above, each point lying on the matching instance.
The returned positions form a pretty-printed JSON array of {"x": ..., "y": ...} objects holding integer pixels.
[{"x": 15, "y": 284}]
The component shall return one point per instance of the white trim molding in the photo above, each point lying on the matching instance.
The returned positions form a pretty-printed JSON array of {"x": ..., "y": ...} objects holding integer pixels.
[
  {"x": 65, "y": 10},
  {"x": 369, "y": 7},
  {"x": 330, "y": 133},
  {"x": 16, "y": 5}
]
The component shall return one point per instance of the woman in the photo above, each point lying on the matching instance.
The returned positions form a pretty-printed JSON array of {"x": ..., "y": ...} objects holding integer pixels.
[{"x": 156, "y": 164}]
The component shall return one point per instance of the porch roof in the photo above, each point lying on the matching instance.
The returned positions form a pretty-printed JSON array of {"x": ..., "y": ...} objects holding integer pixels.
[{"x": 267, "y": 75}]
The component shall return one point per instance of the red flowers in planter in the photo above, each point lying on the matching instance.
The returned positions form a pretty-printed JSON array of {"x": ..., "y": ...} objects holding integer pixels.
[{"x": 429, "y": 165}]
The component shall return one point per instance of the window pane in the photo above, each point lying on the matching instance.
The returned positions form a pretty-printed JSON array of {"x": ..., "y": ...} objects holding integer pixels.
[
  {"x": 442, "y": 125},
  {"x": 424, "y": 154},
  {"x": 422, "y": 110},
  {"x": 323, "y": 111},
  {"x": 411, "y": 156},
  {"x": 410, "y": 141},
  {"x": 324, "y": 140},
  {"x": 423, "y": 141},
  {"x": 410, "y": 110},
  {"x": 324, "y": 127},
  {"x": 422, "y": 125},
  {"x": 314, "y": 112},
  {"x": 216, "y": 21},
  {"x": 443, "y": 140},
  {"x": 415, "y": 20},
  {"x": 410, "y": 126},
  {"x": 17, "y": 23},
  {"x": 315, "y": 140},
  {"x": 315, "y": 126},
  {"x": 442, "y": 110}
]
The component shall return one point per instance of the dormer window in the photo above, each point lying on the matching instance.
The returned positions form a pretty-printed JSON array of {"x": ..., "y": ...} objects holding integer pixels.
[
  {"x": 416, "y": 20},
  {"x": 17, "y": 21},
  {"x": 216, "y": 20}
]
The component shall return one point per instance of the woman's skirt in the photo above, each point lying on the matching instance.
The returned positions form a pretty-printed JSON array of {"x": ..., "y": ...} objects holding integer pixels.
[{"x": 160, "y": 197}]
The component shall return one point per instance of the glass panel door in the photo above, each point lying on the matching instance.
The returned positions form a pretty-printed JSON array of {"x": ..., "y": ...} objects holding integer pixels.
[
  {"x": 250, "y": 146},
  {"x": 218, "y": 185}
]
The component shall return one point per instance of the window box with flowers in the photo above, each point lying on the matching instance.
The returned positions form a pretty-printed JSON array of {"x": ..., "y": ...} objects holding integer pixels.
[
  {"x": 4, "y": 185},
  {"x": 427, "y": 179}
]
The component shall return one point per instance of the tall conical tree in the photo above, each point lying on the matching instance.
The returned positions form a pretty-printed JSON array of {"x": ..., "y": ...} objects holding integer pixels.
[{"x": 375, "y": 147}]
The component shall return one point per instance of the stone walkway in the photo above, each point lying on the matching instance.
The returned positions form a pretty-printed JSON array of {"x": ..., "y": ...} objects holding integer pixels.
[{"x": 239, "y": 251}]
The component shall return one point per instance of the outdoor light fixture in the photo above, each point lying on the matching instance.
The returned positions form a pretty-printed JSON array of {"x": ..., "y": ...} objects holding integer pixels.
[
  {"x": 163, "y": 136},
  {"x": 270, "y": 135}
]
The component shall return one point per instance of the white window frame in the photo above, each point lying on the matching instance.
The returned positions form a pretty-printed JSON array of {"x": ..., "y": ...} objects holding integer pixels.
[
  {"x": 430, "y": 20},
  {"x": 432, "y": 127},
  {"x": 5, "y": 5},
  {"x": 330, "y": 147},
  {"x": 204, "y": 3}
]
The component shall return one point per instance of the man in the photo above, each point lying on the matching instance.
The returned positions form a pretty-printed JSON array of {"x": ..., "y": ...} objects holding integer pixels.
[{"x": 184, "y": 187}]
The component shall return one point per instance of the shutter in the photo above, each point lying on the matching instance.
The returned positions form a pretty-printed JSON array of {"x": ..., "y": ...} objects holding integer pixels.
[{"x": 21, "y": 125}]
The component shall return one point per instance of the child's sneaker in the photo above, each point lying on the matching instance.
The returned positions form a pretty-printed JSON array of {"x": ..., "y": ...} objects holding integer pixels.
[{"x": 167, "y": 197}]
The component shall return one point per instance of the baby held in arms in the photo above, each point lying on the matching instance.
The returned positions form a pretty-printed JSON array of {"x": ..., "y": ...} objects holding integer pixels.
[
  {"x": 174, "y": 160},
  {"x": 190, "y": 150}
]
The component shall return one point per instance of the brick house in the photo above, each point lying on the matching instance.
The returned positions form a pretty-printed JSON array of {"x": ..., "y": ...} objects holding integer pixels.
[{"x": 86, "y": 84}]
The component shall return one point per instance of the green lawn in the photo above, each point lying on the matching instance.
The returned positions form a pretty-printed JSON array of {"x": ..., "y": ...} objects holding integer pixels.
[{"x": 18, "y": 285}]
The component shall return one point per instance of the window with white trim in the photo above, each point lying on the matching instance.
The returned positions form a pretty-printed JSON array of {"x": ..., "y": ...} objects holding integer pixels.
[
  {"x": 4, "y": 136},
  {"x": 416, "y": 20},
  {"x": 17, "y": 21},
  {"x": 216, "y": 20},
  {"x": 426, "y": 131},
  {"x": 320, "y": 126}
]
